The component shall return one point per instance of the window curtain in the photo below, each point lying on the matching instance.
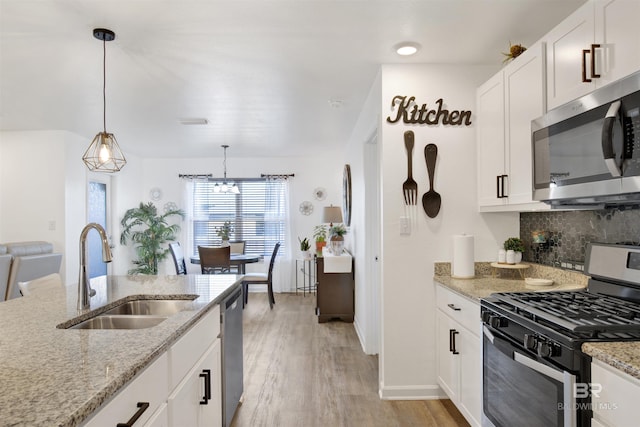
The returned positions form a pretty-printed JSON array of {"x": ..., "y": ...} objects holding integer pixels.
[{"x": 278, "y": 198}]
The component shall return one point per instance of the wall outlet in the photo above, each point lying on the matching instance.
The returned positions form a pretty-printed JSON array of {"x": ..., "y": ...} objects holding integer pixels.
[{"x": 405, "y": 226}]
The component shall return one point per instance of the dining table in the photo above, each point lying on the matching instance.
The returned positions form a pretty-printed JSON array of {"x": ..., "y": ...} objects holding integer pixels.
[{"x": 239, "y": 260}]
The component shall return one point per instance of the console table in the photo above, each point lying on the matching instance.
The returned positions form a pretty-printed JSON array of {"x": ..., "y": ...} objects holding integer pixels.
[{"x": 335, "y": 293}]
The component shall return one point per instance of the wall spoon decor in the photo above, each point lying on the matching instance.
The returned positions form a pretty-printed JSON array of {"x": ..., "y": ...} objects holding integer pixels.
[{"x": 431, "y": 200}]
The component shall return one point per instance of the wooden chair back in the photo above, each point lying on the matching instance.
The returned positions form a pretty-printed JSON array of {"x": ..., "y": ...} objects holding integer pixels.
[{"x": 214, "y": 259}]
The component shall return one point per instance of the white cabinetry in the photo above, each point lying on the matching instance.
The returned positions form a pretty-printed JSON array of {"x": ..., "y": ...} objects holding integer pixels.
[
  {"x": 615, "y": 404},
  {"x": 197, "y": 400},
  {"x": 145, "y": 394},
  {"x": 594, "y": 46},
  {"x": 175, "y": 384},
  {"x": 506, "y": 104},
  {"x": 459, "y": 356}
]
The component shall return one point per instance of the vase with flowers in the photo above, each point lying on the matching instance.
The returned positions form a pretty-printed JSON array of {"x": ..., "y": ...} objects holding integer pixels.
[
  {"x": 224, "y": 232},
  {"x": 336, "y": 240}
]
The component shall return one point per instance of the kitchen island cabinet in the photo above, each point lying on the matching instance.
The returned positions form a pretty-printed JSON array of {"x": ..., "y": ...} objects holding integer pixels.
[
  {"x": 88, "y": 370},
  {"x": 598, "y": 33}
]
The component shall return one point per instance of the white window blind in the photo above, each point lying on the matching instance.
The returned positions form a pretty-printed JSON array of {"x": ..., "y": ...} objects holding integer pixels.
[{"x": 257, "y": 214}]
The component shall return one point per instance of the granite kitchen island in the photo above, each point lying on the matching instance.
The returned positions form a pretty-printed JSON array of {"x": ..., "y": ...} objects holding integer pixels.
[{"x": 52, "y": 376}]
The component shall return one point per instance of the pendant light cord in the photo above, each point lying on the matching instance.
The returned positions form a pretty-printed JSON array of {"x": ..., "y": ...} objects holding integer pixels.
[{"x": 104, "y": 85}]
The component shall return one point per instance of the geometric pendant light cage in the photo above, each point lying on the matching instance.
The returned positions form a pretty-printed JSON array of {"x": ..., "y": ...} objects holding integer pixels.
[{"x": 104, "y": 154}]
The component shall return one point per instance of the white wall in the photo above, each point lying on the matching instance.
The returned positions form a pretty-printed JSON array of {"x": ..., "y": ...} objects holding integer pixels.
[
  {"x": 34, "y": 174},
  {"x": 310, "y": 173},
  {"x": 408, "y": 357},
  {"x": 367, "y": 302}
]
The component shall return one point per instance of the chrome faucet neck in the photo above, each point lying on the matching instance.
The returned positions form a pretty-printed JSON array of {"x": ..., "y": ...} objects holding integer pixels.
[{"x": 84, "y": 287}]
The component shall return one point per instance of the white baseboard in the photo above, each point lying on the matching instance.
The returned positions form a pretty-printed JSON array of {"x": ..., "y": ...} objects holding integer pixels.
[{"x": 412, "y": 392}]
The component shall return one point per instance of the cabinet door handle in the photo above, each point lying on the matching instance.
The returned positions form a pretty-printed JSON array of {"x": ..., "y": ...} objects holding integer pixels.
[
  {"x": 593, "y": 61},
  {"x": 452, "y": 344},
  {"x": 206, "y": 374},
  {"x": 498, "y": 186},
  {"x": 143, "y": 407},
  {"x": 584, "y": 66},
  {"x": 453, "y": 307},
  {"x": 504, "y": 192}
]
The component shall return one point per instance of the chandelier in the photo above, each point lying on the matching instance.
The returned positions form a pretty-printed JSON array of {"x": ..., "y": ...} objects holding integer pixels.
[
  {"x": 104, "y": 154},
  {"x": 225, "y": 187}
]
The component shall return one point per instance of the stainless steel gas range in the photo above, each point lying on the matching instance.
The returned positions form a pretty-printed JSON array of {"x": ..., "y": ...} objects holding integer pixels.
[{"x": 534, "y": 372}]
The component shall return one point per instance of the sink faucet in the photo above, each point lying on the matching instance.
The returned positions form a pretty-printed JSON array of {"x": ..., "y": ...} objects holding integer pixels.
[{"x": 84, "y": 289}]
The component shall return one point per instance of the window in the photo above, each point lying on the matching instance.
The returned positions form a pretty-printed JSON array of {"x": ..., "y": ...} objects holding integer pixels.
[{"x": 257, "y": 214}]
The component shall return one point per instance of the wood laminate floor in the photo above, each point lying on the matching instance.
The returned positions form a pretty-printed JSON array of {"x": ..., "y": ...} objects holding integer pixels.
[{"x": 298, "y": 372}]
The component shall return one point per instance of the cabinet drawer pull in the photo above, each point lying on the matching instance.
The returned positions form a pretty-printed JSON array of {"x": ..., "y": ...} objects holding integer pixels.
[
  {"x": 206, "y": 374},
  {"x": 593, "y": 61},
  {"x": 143, "y": 407},
  {"x": 453, "y": 307},
  {"x": 452, "y": 341}
]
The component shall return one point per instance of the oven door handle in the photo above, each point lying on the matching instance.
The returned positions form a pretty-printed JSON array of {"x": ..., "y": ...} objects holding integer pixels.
[{"x": 500, "y": 344}]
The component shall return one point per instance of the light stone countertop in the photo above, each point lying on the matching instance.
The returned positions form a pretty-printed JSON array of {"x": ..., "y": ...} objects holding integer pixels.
[
  {"x": 58, "y": 377},
  {"x": 624, "y": 356}
]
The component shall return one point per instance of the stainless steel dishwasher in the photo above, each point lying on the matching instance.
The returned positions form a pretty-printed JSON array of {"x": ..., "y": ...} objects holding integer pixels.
[{"x": 232, "y": 355}]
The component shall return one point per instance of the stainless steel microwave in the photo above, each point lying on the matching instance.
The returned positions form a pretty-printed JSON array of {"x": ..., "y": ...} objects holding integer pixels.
[{"x": 586, "y": 153}]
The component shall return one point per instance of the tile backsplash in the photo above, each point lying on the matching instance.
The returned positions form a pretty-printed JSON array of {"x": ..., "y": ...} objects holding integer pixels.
[{"x": 569, "y": 232}]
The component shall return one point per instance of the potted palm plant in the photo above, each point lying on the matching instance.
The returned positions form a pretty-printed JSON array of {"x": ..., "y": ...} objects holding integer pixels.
[{"x": 149, "y": 232}]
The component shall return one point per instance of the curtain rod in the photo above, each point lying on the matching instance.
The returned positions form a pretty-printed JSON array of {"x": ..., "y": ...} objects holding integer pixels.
[
  {"x": 199, "y": 176},
  {"x": 282, "y": 175}
]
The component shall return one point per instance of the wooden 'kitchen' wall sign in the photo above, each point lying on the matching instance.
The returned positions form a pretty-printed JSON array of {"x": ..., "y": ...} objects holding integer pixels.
[{"x": 408, "y": 111}]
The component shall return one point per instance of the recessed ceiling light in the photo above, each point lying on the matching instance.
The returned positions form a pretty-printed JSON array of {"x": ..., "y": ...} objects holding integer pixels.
[
  {"x": 193, "y": 121},
  {"x": 407, "y": 48}
]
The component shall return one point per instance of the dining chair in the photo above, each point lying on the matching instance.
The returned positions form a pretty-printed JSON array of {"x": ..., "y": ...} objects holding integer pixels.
[
  {"x": 215, "y": 259},
  {"x": 237, "y": 246},
  {"x": 49, "y": 281},
  {"x": 261, "y": 279},
  {"x": 178, "y": 258}
]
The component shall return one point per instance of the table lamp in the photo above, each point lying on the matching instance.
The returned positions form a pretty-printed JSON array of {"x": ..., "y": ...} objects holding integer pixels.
[{"x": 332, "y": 214}]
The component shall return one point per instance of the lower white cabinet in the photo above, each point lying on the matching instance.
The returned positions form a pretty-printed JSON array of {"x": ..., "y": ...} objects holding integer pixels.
[
  {"x": 197, "y": 400},
  {"x": 183, "y": 387},
  {"x": 459, "y": 354},
  {"x": 614, "y": 396},
  {"x": 137, "y": 402}
]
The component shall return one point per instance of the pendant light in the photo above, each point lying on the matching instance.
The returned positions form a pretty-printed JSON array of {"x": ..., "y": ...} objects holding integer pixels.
[
  {"x": 225, "y": 187},
  {"x": 104, "y": 154}
]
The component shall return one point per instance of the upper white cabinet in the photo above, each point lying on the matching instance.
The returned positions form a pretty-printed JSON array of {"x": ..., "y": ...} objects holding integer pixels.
[
  {"x": 506, "y": 104},
  {"x": 594, "y": 46}
]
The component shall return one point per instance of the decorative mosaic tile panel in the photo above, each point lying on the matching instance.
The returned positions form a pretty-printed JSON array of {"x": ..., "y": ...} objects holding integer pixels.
[{"x": 569, "y": 232}]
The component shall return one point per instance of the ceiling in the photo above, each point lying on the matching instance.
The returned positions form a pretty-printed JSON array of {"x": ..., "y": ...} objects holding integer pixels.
[{"x": 272, "y": 78}]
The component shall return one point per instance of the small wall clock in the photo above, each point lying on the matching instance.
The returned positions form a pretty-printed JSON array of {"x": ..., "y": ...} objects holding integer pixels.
[{"x": 306, "y": 208}]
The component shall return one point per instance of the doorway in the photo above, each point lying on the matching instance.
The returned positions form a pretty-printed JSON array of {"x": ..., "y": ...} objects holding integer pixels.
[{"x": 98, "y": 208}]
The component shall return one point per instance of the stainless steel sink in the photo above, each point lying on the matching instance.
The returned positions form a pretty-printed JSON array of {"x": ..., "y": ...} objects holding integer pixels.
[
  {"x": 154, "y": 307},
  {"x": 120, "y": 322}
]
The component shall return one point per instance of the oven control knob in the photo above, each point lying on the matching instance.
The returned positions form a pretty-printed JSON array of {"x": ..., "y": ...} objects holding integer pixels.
[
  {"x": 497, "y": 321},
  {"x": 530, "y": 342},
  {"x": 485, "y": 316},
  {"x": 545, "y": 349}
]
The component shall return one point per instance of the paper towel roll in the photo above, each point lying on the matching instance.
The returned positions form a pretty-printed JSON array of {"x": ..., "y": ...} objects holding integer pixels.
[{"x": 463, "y": 260}]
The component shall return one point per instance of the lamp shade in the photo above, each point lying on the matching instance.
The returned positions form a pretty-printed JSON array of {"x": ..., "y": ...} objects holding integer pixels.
[{"x": 332, "y": 214}]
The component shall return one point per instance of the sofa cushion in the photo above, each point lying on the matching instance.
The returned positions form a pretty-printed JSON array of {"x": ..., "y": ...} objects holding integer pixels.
[{"x": 29, "y": 248}]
